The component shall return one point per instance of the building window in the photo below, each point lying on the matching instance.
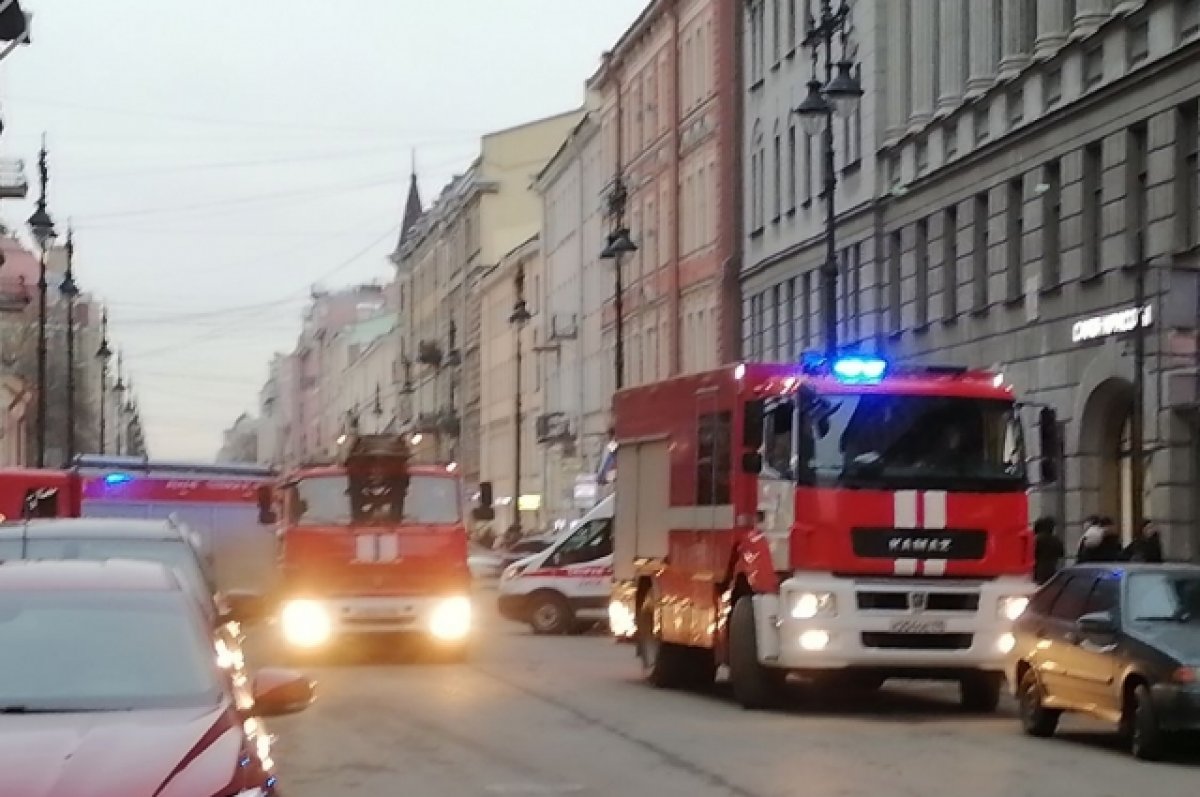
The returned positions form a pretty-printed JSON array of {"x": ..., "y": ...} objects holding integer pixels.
[
  {"x": 714, "y": 459},
  {"x": 981, "y": 125},
  {"x": 950, "y": 265},
  {"x": 1137, "y": 43},
  {"x": 776, "y": 32},
  {"x": 1053, "y": 87},
  {"x": 772, "y": 324},
  {"x": 951, "y": 141},
  {"x": 762, "y": 40},
  {"x": 1015, "y": 234},
  {"x": 777, "y": 173},
  {"x": 922, "y": 156},
  {"x": 1138, "y": 188},
  {"x": 895, "y": 274},
  {"x": 792, "y": 37},
  {"x": 1093, "y": 65},
  {"x": 1187, "y": 141},
  {"x": 806, "y": 293},
  {"x": 852, "y": 131},
  {"x": 808, "y": 168},
  {"x": 791, "y": 175},
  {"x": 1093, "y": 205},
  {"x": 789, "y": 319},
  {"x": 922, "y": 274},
  {"x": 1016, "y": 107},
  {"x": 979, "y": 255},
  {"x": 1189, "y": 17},
  {"x": 1051, "y": 225}
]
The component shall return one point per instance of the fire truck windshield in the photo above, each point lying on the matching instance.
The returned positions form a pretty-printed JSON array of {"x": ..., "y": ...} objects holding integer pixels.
[
  {"x": 331, "y": 501},
  {"x": 877, "y": 441}
]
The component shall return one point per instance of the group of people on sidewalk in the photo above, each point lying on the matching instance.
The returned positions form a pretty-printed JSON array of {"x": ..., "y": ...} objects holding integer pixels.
[{"x": 1101, "y": 542}]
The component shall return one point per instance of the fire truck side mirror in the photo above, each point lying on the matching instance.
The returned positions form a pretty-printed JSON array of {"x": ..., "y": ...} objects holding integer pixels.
[
  {"x": 1050, "y": 445},
  {"x": 752, "y": 426},
  {"x": 752, "y": 463},
  {"x": 266, "y": 506}
]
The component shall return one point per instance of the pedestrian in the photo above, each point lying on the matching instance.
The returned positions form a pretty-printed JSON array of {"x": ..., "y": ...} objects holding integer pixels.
[
  {"x": 1146, "y": 545},
  {"x": 1089, "y": 542},
  {"x": 1109, "y": 548},
  {"x": 1048, "y": 550}
]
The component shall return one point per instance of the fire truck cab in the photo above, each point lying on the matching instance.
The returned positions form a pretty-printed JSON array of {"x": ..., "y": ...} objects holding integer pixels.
[
  {"x": 843, "y": 520},
  {"x": 373, "y": 545}
]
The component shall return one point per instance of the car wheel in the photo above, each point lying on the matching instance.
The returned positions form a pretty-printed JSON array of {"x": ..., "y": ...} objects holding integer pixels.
[
  {"x": 549, "y": 613},
  {"x": 980, "y": 692},
  {"x": 1036, "y": 719},
  {"x": 754, "y": 686},
  {"x": 1146, "y": 739},
  {"x": 666, "y": 664}
]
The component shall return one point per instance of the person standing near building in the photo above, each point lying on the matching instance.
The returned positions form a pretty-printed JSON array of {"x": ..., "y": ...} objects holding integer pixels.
[
  {"x": 1089, "y": 542},
  {"x": 1146, "y": 545},
  {"x": 1048, "y": 550},
  {"x": 1109, "y": 548}
]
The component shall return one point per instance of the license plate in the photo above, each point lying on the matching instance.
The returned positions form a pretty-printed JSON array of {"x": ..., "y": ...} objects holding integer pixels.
[
  {"x": 918, "y": 626},
  {"x": 376, "y": 613}
]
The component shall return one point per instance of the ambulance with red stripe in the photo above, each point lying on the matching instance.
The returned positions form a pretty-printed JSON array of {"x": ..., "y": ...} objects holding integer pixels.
[
  {"x": 567, "y": 586},
  {"x": 841, "y": 519}
]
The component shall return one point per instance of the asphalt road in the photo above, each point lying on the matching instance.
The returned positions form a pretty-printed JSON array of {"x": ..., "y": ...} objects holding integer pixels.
[{"x": 568, "y": 716}]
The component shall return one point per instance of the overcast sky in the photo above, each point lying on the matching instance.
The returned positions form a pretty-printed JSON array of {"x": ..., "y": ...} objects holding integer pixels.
[{"x": 220, "y": 157}]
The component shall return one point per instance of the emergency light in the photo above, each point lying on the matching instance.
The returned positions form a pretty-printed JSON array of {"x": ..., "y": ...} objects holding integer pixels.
[
  {"x": 117, "y": 478},
  {"x": 859, "y": 369}
]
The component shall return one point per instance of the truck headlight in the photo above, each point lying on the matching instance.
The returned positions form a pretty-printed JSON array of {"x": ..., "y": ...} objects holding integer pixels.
[
  {"x": 306, "y": 623},
  {"x": 621, "y": 621},
  {"x": 807, "y": 605},
  {"x": 1012, "y": 606},
  {"x": 451, "y": 619}
]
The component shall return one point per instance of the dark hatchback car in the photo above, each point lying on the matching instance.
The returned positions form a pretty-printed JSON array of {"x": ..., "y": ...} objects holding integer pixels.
[
  {"x": 110, "y": 686},
  {"x": 1118, "y": 642}
]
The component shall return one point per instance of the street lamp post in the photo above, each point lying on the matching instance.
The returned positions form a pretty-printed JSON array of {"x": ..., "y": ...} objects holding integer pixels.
[
  {"x": 619, "y": 244},
  {"x": 519, "y": 318},
  {"x": 119, "y": 391},
  {"x": 42, "y": 227},
  {"x": 69, "y": 291},
  {"x": 103, "y": 355},
  {"x": 837, "y": 95}
]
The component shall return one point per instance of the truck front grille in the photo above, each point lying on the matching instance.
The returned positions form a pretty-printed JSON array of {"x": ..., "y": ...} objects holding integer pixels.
[
  {"x": 887, "y": 641},
  {"x": 934, "y": 601}
]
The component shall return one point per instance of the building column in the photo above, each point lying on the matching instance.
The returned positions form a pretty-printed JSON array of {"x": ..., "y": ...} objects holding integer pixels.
[
  {"x": 953, "y": 40},
  {"x": 924, "y": 76},
  {"x": 1015, "y": 44},
  {"x": 982, "y": 18},
  {"x": 898, "y": 61},
  {"x": 1052, "y": 27},
  {"x": 1089, "y": 15}
]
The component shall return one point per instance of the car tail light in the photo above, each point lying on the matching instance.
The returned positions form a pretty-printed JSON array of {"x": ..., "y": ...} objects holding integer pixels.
[{"x": 1186, "y": 675}]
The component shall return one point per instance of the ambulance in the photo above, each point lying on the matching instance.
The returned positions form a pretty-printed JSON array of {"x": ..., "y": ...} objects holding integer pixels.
[{"x": 565, "y": 588}]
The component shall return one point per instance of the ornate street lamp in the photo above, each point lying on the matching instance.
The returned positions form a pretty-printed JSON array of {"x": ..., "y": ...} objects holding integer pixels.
[
  {"x": 837, "y": 95},
  {"x": 69, "y": 291},
  {"x": 519, "y": 318},
  {"x": 42, "y": 227},
  {"x": 618, "y": 245},
  {"x": 103, "y": 355}
]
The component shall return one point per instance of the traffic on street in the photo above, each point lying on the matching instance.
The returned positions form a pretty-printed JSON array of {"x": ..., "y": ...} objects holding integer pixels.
[{"x": 751, "y": 398}]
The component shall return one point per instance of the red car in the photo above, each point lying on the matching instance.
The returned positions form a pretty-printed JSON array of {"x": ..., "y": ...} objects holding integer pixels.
[{"x": 110, "y": 686}]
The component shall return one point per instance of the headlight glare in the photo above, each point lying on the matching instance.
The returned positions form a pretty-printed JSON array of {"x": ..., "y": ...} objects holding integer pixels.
[
  {"x": 621, "y": 621},
  {"x": 306, "y": 623},
  {"x": 451, "y": 619},
  {"x": 807, "y": 605},
  {"x": 1013, "y": 606}
]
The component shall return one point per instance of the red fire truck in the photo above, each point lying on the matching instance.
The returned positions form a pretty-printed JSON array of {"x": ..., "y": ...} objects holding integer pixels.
[
  {"x": 217, "y": 502},
  {"x": 373, "y": 545},
  {"x": 842, "y": 520}
]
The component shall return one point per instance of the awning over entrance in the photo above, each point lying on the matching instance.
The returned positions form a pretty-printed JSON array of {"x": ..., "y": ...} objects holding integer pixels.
[{"x": 13, "y": 25}]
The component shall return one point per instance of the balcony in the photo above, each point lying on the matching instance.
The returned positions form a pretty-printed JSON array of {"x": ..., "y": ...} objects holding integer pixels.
[{"x": 13, "y": 182}]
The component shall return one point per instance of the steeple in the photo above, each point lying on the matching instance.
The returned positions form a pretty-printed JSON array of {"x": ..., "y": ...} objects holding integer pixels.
[{"x": 412, "y": 206}]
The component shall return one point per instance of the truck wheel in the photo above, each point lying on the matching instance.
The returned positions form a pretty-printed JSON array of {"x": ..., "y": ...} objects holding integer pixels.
[
  {"x": 549, "y": 613},
  {"x": 980, "y": 692},
  {"x": 666, "y": 664},
  {"x": 754, "y": 685}
]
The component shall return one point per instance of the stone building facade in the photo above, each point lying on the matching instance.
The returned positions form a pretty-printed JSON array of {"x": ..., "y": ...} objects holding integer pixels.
[{"x": 1029, "y": 155}]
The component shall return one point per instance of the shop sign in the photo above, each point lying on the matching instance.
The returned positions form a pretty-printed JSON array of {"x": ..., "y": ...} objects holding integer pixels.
[{"x": 1102, "y": 326}]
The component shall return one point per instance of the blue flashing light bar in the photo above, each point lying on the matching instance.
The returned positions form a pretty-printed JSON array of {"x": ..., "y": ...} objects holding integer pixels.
[
  {"x": 859, "y": 369},
  {"x": 113, "y": 479}
]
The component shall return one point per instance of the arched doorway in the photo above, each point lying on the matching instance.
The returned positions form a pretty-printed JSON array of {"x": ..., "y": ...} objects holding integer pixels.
[{"x": 1105, "y": 452}]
